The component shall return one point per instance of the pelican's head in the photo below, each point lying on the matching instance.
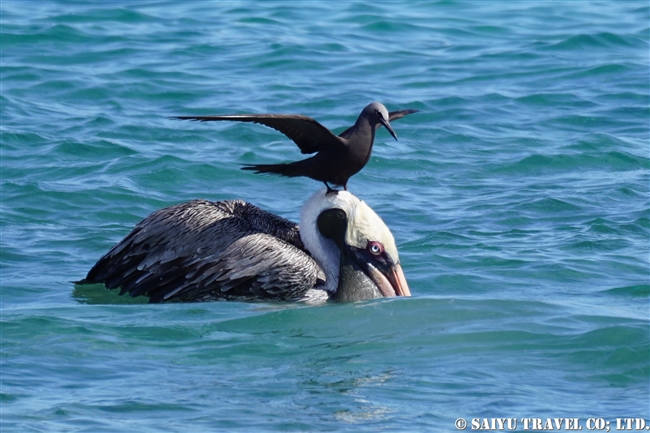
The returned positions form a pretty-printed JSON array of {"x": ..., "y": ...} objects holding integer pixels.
[{"x": 353, "y": 246}]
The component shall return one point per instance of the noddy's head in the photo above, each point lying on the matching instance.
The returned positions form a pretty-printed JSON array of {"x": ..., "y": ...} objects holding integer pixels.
[
  {"x": 369, "y": 262},
  {"x": 378, "y": 115}
]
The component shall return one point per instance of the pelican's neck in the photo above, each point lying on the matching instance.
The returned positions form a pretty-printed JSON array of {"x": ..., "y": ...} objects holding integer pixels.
[{"x": 323, "y": 250}]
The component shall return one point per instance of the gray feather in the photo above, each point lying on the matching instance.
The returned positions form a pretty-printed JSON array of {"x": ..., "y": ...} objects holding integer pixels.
[{"x": 202, "y": 250}]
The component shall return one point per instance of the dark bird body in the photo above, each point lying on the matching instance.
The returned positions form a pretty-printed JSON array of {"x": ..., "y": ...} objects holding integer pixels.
[
  {"x": 337, "y": 157},
  {"x": 202, "y": 250}
]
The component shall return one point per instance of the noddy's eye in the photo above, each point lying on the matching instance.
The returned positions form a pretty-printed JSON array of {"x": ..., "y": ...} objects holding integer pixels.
[{"x": 375, "y": 248}]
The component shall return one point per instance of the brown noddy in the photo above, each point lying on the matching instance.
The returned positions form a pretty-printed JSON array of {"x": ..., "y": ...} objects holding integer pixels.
[{"x": 337, "y": 157}]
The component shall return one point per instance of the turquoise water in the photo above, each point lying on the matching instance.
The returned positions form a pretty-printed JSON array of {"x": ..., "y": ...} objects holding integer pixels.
[{"x": 518, "y": 196}]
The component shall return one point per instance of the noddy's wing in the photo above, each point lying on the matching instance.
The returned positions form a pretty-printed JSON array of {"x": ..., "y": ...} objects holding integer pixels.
[
  {"x": 308, "y": 134},
  {"x": 394, "y": 115},
  {"x": 203, "y": 250}
]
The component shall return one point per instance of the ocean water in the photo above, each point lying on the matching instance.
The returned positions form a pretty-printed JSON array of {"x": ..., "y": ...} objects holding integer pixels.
[{"x": 518, "y": 197}]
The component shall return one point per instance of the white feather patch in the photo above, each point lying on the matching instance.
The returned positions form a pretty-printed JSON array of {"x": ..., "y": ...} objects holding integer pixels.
[{"x": 363, "y": 225}]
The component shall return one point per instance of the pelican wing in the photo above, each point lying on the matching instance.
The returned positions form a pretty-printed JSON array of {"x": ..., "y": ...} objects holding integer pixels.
[
  {"x": 202, "y": 250},
  {"x": 308, "y": 134}
]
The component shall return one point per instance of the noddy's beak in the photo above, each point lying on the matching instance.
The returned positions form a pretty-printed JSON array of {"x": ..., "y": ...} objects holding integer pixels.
[
  {"x": 387, "y": 126},
  {"x": 390, "y": 282}
]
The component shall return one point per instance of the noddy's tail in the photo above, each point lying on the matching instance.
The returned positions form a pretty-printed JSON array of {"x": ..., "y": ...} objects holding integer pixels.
[{"x": 288, "y": 170}]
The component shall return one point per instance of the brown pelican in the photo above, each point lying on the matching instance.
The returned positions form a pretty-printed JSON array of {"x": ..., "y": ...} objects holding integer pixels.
[
  {"x": 203, "y": 250},
  {"x": 337, "y": 157}
]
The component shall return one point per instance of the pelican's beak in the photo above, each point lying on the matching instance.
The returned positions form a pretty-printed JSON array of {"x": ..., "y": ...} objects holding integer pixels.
[
  {"x": 391, "y": 281},
  {"x": 361, "y": 278},
  {"x": 387, "y": 126}
]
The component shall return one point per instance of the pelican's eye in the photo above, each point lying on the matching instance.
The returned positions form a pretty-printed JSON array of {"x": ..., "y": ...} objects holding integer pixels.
[{"x": 375, "y": 248}]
